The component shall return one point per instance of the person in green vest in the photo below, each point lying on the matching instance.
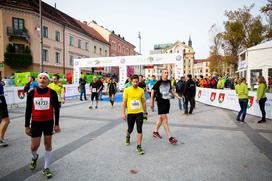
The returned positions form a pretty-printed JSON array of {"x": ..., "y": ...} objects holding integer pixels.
[
  {"x": 261, "y": 97},
  {"x": 242, "y": 92},
  {"x": 221, "y": 83},
  {"x": 128, "y": 84}
]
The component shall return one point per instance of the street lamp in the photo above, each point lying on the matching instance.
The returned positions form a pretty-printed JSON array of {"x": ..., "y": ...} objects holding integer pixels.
[
  {"x": 140, "y": 38},
  {"x": 41, "y": 30}
]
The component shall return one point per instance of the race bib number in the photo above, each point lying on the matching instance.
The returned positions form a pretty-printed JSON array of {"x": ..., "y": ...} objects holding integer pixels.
[
  {"x": 93, "y": 89},
  {"x": 41, "y": 103},
  {"x": 135, "y": 104}
]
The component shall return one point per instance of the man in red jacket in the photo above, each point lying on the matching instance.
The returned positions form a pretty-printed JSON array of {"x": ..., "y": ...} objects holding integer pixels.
[{"x": 43, "y": 110}]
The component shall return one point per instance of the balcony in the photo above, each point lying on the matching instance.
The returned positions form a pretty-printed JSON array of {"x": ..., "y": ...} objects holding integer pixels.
[{"x": 11, "y": 32}]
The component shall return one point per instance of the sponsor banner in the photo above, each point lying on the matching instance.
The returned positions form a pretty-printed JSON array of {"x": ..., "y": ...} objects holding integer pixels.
[{"x": 229, "y": 100}]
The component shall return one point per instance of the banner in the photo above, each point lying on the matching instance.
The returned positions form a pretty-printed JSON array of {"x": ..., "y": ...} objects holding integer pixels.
[{"x": 229, "y": 100}]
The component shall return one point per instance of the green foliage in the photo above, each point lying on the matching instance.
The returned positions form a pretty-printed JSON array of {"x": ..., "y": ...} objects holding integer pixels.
[{"x": 18, "y": 60}]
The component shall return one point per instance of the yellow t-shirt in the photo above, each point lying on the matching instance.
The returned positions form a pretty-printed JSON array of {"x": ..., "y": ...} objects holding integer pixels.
[
  {"x": 134, "y": 99},
  {"x": 59, "y": 89}
]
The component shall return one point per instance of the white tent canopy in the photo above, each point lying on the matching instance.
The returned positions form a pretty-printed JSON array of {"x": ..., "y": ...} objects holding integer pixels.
[{"x": 124, "y": 61}]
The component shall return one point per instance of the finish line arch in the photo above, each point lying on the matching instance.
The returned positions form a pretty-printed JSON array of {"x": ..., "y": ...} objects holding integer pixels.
[{"x": 124, "y": 61}]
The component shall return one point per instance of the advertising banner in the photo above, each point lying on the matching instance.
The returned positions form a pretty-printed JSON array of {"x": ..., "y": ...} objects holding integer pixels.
[{"x": 229, "y": 100}]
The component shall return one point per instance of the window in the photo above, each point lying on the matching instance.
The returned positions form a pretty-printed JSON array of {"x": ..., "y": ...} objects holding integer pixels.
[
  {"x": 57, "y": 57},
  {"x": 119, "y": 48},
  {"x": 79, "y": 43},
  {"x": 253, "y": 77},
  {"x": 45, "y": 31},
  {"x": 57, "y": 36},
  {"x": 71, "y": 41},
  {"x": 86, "y": 46},
  {"x": 94, "y": 49},
  {"x": 71, "y": 60},
  {"x": 106, "y": 53},
  {"x": 19, "y": 48},
  {"x": 207, "y": 70},
  {"x": 18, "y": 24},
  {"x": 100, "y": 51},
  {"x": 44, "y": 55}
]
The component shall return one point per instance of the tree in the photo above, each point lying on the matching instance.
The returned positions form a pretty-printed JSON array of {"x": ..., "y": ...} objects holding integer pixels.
[
  {"x": 18, "y": 59},
  {"x": 242, "y": 30},
  {"x": 267, "y": 11}
]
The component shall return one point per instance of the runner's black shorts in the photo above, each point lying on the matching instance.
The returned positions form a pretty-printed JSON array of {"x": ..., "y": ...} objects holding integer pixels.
[
  {"x": 94, "y": 95},
  {"x": 132, "y": 118},
  {"x": 41, "y": 127},
  {"x": 111, "y": 94},
  {"x": 163, "y": 106},
  {"x": 3, "y": 108}
]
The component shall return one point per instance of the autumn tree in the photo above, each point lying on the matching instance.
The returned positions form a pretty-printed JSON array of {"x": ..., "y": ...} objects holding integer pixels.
[
  {"x": 242, "y": 30},
  {"x": 267, "y": 11}
]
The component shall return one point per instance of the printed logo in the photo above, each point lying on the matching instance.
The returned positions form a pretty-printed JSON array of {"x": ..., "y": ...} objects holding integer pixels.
[
  {"x": 21, "y": 94},
  {"x": 250, "y": 101},
  {"x": 122, "y": 61},
  {"x": 178, "y": 58},
  {"x": 221, "y": 97},
  {"x": 213, "y": 95},
  {"x": 199, "y": 93}
]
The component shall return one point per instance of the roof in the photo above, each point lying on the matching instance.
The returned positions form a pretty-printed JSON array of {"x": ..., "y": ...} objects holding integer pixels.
[
  {"x": 162, "y": 46},
  {"x": 267, "y": 44},
  {"x": 53, "y": 14},
  {"x": 201, "y": 60},
  {"x": 122, "y": 39},
  {"x": 92, "y": 31}
]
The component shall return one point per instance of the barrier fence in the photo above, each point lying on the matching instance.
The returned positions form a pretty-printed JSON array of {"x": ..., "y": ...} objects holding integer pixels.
[
  {"x": 215, "y": 97},
  {"x": 229, "y": 100}
]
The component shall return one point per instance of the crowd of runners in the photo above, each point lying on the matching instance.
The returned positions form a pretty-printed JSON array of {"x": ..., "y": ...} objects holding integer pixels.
[{"x": 44, "y": 101}]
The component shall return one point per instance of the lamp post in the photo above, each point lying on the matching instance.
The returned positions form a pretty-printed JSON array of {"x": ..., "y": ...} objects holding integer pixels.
[
  {"x": 41, "y": 35},
  {"x": 140, "y": 38}
]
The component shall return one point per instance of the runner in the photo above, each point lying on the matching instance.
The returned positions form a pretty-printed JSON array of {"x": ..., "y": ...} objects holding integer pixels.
[
  {"x": 162, "y": 90},
  {"x": 56, "y": 86},
  {"x": 150, "y": 84},
  {"x": 134, "y": 101},
  {"x": 4, "y": 116},
  {"x": 128, "y": 84},
  {"x": 95, "y": 87},
  {"x": 42, "y": 104},
  {"x": 112, "y": 90}
]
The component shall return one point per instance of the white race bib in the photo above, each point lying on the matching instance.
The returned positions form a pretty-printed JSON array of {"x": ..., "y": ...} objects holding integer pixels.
[
  {"x": 41, "y": 103},
  {"x": 135, "y": 104},
  {"x": 93, "y": 89}
]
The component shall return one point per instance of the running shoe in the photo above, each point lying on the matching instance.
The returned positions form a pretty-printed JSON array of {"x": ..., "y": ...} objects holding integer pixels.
[
  {"x": 157, "y": 135},
  {"x": 262, "y": 121},
  {"x": 47, "y": 173},
  {"x": 127, "y": 141},
  {"x": 172, "y": 140},
  {"x": 90, "y": 107},
  {"x": 33, "y": 163},
  {"x": 140, "y": 150},
  {"x": 96, "y": 107},
  {"x": 3, "y": 143}
]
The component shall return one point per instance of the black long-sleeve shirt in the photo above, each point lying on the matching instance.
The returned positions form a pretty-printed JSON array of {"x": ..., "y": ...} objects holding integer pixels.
[{"x": 29, "y": 104}]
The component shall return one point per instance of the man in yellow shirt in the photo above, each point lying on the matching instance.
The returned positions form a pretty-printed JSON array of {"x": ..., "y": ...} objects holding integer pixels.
[
  {"x": 134, "y": 101},
  {"x": 56, "y": 86}
]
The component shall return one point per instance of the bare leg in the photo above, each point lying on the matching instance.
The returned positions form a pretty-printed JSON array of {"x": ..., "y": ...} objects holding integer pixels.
[
  {"x": 3, "y": 127},
  {"x": 139, "y": 138},
  {"x": 158, "y": 124},
  {"x": 165, "y": 125}
]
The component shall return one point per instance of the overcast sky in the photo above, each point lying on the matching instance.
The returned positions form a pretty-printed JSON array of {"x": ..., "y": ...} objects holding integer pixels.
[{"x": 159, "y": 21}]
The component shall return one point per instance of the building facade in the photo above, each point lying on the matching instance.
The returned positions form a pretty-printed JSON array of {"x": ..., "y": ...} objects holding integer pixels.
[
  {"x": 118, "y": 45},
  {"x": 64, "y": 38},
  {"x": 201, "y": 67},
  {"x": 177, "y": 47}
]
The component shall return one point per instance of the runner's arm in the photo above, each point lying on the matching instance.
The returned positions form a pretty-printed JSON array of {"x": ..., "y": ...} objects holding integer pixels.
[
  {"x": 152, "y": 98},
  {"x": 55, "y": 102},
  {"x": 175, "y": 94},
  {"x": 29, "y": 103},
  {"x": 144, "y": 105}
]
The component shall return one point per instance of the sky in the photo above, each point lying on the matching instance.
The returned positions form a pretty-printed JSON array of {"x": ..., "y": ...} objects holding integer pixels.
[{"x": 158, "y": 21}]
